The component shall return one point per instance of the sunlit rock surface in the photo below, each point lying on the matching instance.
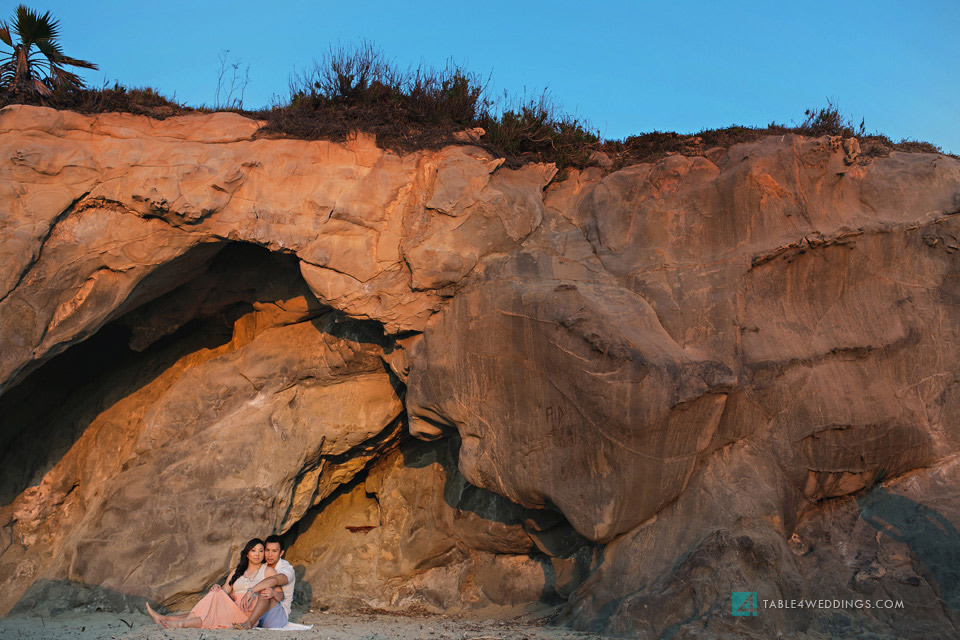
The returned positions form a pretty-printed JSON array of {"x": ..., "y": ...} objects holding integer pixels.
[{"x": 651, "y": 387}]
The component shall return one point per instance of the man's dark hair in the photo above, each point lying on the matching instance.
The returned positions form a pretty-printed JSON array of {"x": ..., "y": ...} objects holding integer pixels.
[{"x": 274, "y": 538}]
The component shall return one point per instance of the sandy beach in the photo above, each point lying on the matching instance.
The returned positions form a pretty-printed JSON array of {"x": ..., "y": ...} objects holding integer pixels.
[{"x": 326, "y": 626}]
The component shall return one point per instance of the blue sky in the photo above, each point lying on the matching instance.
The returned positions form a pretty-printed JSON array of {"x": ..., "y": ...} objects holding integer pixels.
[{"x": 625, "y": 67}]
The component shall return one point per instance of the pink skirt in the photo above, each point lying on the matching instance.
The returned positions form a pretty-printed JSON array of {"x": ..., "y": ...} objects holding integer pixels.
[{"x": 217, "y": 610}]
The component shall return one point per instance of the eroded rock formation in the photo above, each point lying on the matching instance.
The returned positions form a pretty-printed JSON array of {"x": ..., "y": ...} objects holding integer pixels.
[
  {"x": 428, "y": 539},
  {"x": 652, "y": 387}
]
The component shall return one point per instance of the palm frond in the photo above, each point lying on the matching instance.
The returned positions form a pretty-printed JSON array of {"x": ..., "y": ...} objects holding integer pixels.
[
  {"x": 61, "y": 78},
  {"x": 5, "y": 34},
  {"x": 40, "y": 87},
  {"x": 34, "y": 56},
  {"x": 73, "y": 62},
  {"x": 31, "y": 27},
  {"x": 51, "y": 49},
  {"x": 8, "y": 71}
]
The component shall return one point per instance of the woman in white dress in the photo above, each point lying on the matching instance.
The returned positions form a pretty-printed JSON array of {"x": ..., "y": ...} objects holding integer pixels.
[{"x": 223, "y": 607}]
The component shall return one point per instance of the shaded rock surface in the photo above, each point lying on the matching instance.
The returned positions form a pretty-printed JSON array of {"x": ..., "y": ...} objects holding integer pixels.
[
  {"x": 669, "y": 382},
  {"x": 414, "y": 534}
]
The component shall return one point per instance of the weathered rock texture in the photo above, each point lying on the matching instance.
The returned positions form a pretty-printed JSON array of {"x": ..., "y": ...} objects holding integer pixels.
[
  {"x": 667, "y": 383},
  {"x": 429, "y": 540}
]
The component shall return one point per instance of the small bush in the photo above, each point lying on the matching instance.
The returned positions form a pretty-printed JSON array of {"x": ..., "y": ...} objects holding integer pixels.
[
  {"x": 358, "y": 89},
  {"x": 828, "y": 121},
  {"x": 353, "y": 76},
  {"x": 448, "y": 95},
  {"x": 536, "y": 130}
]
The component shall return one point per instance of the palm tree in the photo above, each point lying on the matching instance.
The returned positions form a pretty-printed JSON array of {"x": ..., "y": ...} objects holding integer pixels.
[{"x": 25, "y": 70}]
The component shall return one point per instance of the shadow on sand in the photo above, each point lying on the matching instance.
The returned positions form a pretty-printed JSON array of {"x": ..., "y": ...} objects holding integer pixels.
[{"x": 53, "y": 597}]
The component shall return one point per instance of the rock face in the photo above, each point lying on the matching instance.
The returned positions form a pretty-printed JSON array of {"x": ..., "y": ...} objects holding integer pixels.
[
  {"x": 429, "y": 540},
  {"x": 650, "y": 387},
  {"x": 628, "y": 425}
]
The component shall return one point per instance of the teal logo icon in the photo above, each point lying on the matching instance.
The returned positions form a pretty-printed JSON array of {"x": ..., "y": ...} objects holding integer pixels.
[{"x": 744, "y": 603}]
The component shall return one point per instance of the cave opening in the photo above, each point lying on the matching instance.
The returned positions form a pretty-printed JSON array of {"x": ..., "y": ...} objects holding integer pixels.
[{"x": 46, "y": 412}]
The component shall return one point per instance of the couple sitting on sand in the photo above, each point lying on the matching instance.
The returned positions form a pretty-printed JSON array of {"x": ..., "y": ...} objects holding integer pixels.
[{"x": 257, "y": 594}]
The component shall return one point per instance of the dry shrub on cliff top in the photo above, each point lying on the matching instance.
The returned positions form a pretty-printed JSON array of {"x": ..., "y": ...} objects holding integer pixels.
[
  {"x": 825, "y": 121},
  {"x": 828, "y": 121},
  {"x": 536, "y": 130},
  {"x": 138, "y": 101},
  {"x": 355, "y": 88},
  {"x": 358, "y": 89}
]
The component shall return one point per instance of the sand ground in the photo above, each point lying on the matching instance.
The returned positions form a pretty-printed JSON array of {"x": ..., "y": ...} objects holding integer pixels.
[{"x": 326, "y": 626}]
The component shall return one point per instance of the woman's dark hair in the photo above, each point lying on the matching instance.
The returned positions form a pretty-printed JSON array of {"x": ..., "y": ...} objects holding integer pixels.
[{"x": 244, "y": 563}]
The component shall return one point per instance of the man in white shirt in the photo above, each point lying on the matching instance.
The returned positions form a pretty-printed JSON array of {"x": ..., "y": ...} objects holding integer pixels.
[{"x": 274, "y": 595}]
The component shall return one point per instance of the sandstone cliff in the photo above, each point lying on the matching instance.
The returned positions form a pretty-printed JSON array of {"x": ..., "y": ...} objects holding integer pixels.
[{"x": 650, "y": 388}]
